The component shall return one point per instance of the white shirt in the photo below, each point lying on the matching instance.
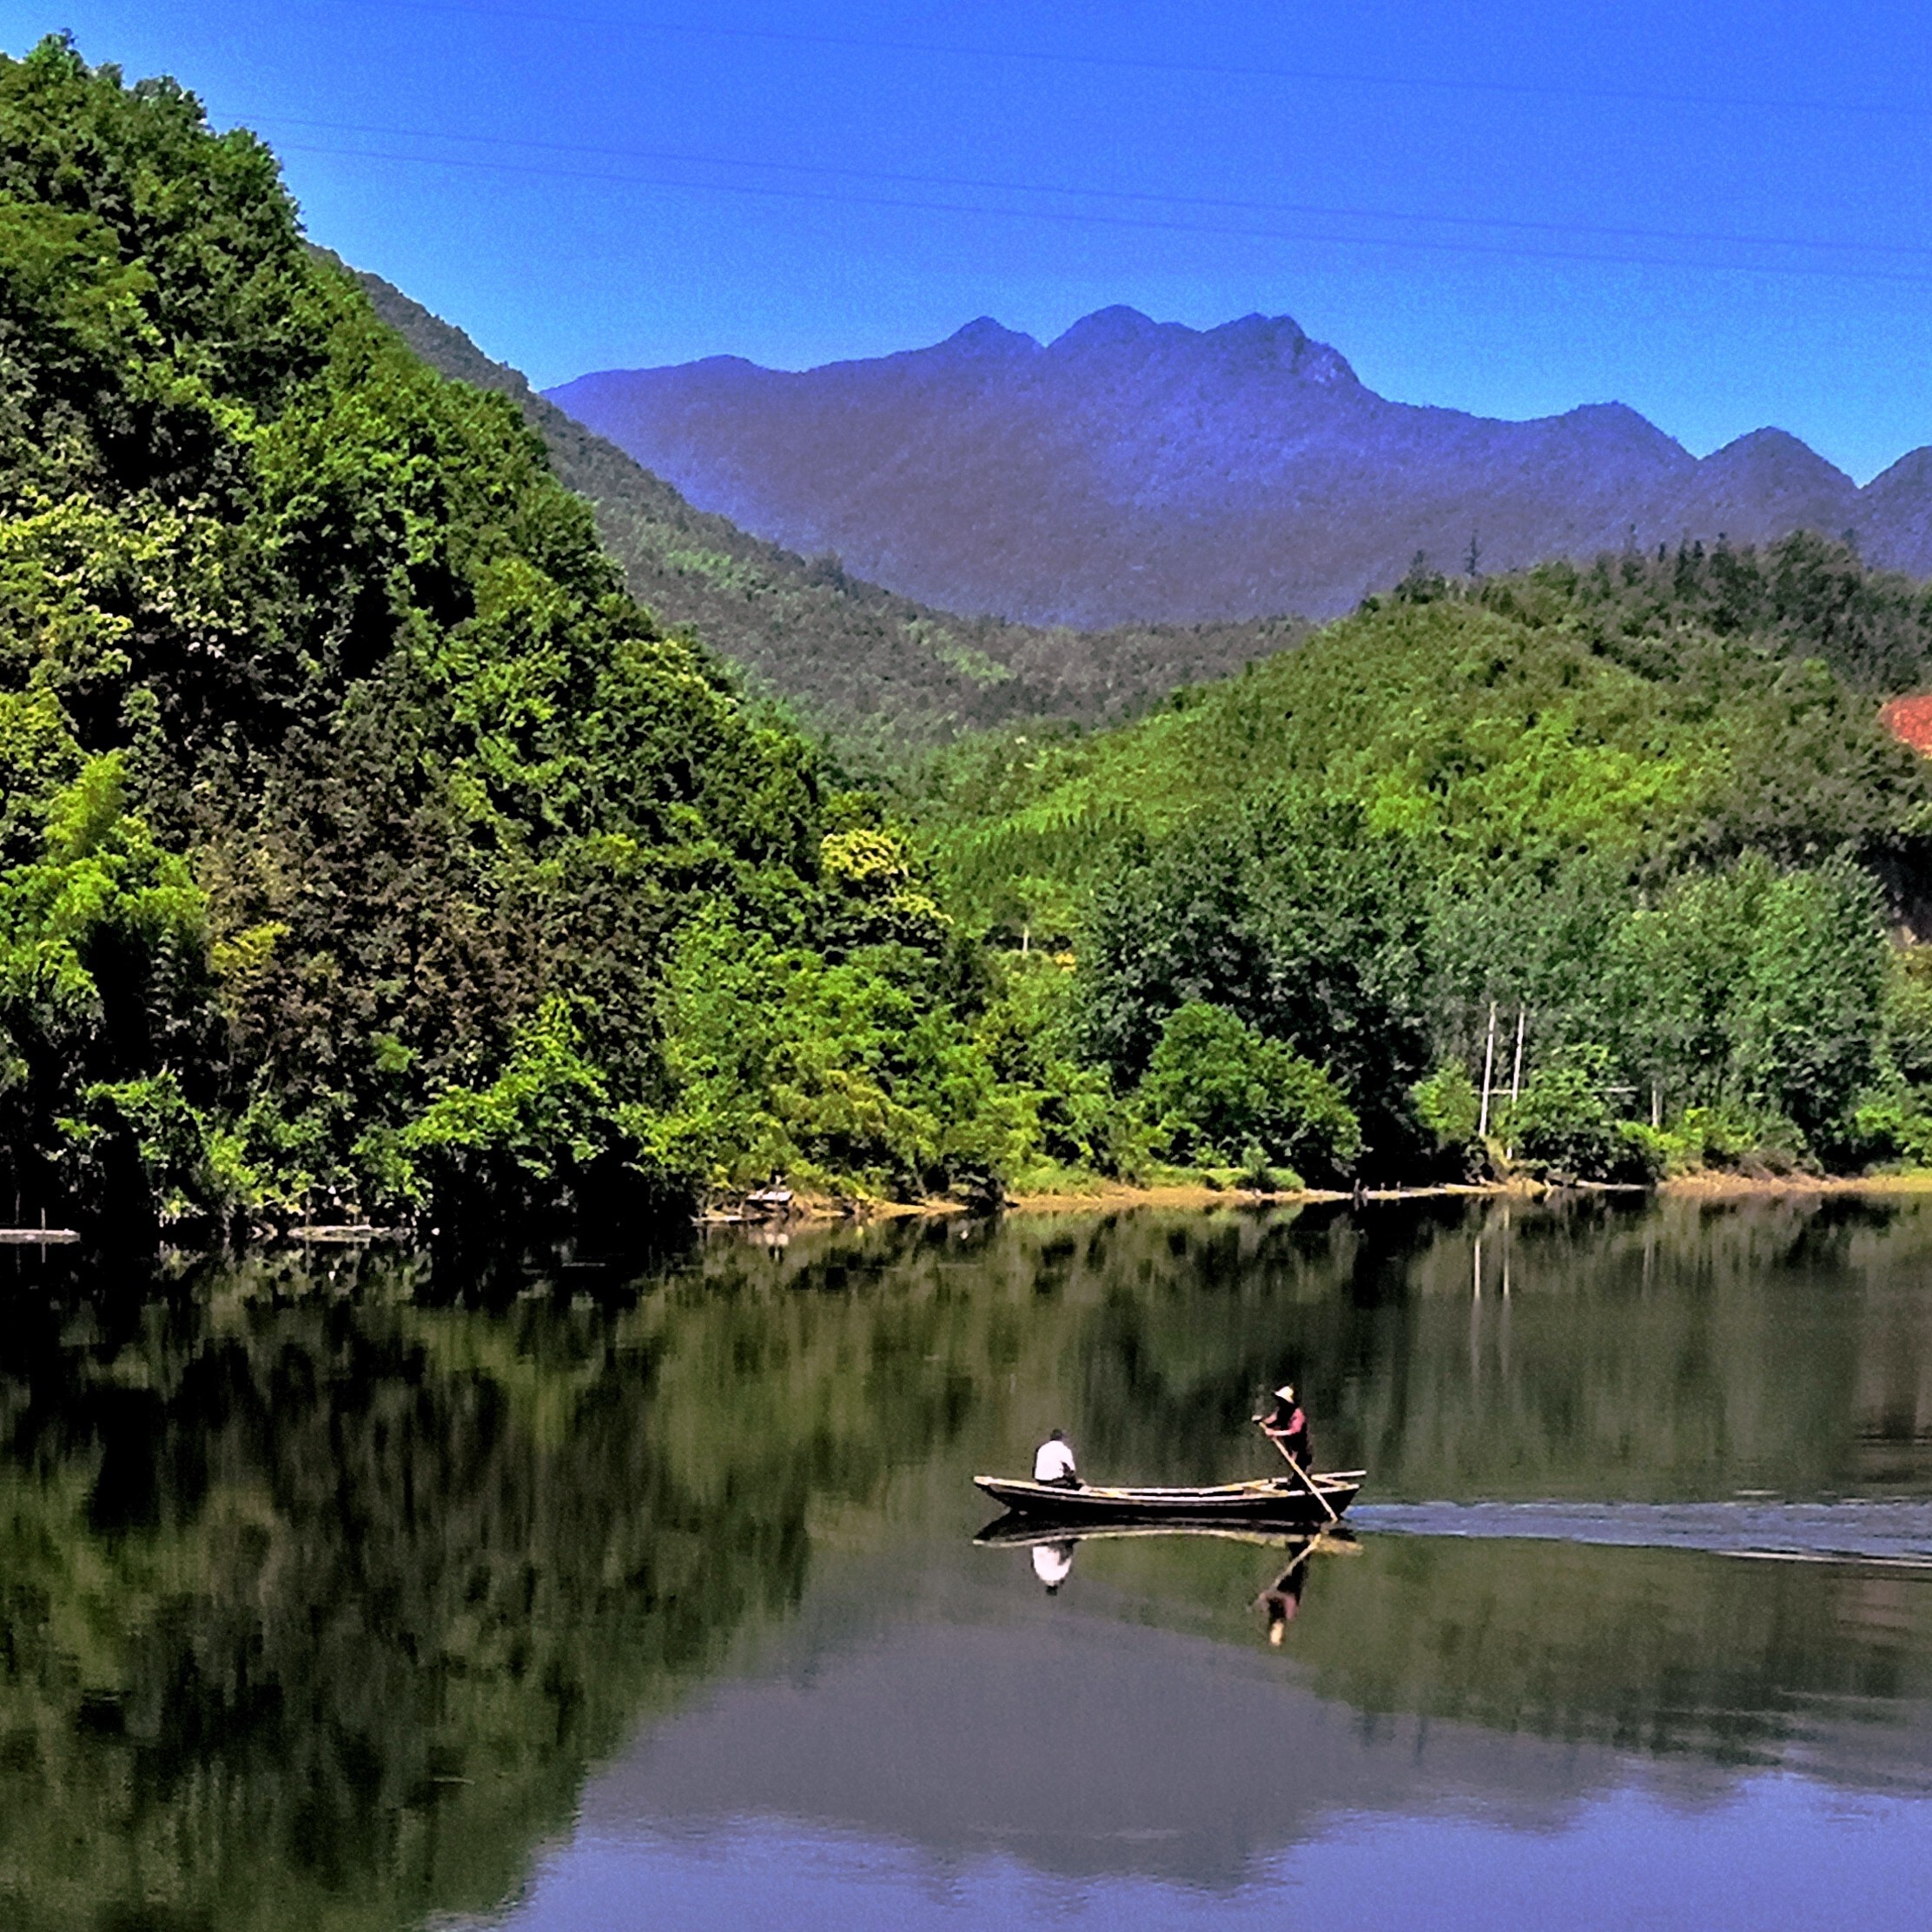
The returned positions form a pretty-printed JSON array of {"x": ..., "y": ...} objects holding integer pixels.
[
  {"x": 1053, "y": 1563},
  {"x": 1054, "y": 1460}
]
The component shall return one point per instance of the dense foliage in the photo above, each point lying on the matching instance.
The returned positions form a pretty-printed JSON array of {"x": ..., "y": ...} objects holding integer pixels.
[
  {"x": 366, "y": 849},
  {"x": 1647, "y": 810}
]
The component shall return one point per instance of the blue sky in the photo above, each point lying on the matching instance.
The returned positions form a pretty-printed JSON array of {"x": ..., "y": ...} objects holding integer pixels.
[{"x": 1718, "y": 215}]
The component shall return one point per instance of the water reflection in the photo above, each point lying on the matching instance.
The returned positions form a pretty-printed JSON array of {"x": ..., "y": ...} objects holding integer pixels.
[
  {"x": 324, "y": 1588},
  {"x": 1053, "y": 1561},
  {"x": 1052, "y": 1552},
  {"x": 1280, "y": 1603}
]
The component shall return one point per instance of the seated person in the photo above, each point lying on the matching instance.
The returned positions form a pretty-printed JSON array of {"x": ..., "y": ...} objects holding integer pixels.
[{"x": 1053, "y": 1463}]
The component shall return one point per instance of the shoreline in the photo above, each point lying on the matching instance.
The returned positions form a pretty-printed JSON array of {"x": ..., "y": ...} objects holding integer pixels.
[
  {"x": 1712, "y": 1185},
  {"x": 1716, "y": 1185},
  {"x": 1117, "y": 1197},
  {"x": 1113, "y": 1197},
  {"x": 1708, "y": 1184}
]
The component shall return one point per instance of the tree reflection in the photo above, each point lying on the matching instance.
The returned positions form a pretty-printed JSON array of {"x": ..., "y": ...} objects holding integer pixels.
[{"x": 322, "y": 1585}]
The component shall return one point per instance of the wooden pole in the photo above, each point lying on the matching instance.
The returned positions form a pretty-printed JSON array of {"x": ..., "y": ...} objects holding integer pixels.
[
  {"x": 1516, "y": 1078},
  {"x": 1307, "y": 1482},
  {"x": 1489, "y": 1067}
]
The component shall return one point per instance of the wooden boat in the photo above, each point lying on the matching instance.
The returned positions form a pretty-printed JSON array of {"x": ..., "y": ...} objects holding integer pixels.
[
  {"x": 1021, "y": 1533},
  {"x": 1280, "y": 1501}
]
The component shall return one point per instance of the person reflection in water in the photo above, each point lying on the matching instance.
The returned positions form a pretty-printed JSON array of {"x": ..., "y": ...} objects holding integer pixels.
[
  {"x": 1281, "y": 1600},
  {"x": 1053, "y": 1462},
  {"x": 1052, "y": 1562}
]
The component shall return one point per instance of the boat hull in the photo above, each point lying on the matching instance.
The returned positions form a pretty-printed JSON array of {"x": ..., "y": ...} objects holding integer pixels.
[
  {"x": 1282, "y": 1503},
  {"x": 1012, "y": 1532}
]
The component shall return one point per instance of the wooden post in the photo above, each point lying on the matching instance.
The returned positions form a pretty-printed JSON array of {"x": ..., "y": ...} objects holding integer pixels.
[
  {"x": 1489, "y": 1065},
  {"x": 1516, "y": 1078}
]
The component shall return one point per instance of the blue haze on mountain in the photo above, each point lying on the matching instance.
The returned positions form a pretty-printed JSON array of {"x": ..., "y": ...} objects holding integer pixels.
[{"x": 1141, "y": 471}]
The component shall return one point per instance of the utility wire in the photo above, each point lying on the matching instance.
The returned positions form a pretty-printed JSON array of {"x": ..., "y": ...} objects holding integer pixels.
[
  {"x": 661, "y": 156},
  {"x": 1092, "y": 219},
  {"x": 1149, "y": 64}
]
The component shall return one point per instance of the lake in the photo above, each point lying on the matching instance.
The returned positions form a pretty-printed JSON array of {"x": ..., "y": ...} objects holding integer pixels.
[{"x": 346, "y": 1590}]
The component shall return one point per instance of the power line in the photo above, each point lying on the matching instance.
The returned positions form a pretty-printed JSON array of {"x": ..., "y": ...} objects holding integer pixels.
[
  {"x": 1145, "y": 197},
  {"x": 1428, "y": 244},
  {"x": 1150, "y": 65}
]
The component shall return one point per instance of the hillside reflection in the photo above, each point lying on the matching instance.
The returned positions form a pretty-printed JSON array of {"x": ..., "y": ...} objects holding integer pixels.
[{"x": 327, "y": 1584}]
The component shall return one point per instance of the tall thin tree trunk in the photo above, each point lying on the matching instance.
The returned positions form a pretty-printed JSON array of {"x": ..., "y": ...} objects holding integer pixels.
[{"x": 1489, "y": 1067}]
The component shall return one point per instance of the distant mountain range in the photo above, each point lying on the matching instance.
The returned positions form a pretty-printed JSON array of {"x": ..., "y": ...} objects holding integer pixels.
[
  {"x": 876, "y": 668},
  {"x": 1141, "y": 472}
]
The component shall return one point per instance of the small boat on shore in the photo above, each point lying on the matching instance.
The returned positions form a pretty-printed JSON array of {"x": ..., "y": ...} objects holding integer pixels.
[{"x": 1281, "y": 1502}]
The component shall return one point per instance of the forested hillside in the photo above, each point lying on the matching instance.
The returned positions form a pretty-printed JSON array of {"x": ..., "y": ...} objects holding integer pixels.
[
  {"x": 364, "y": 848},
  {"x": 1647, "y": 807},
  {"x": 875, "y": 669}
]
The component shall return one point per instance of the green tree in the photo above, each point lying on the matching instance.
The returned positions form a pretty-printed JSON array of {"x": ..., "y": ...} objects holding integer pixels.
[
  {"x": 1806, "y": 1009},
  {"x": 1562, "y": 1125},
  {"x": 1215, "y": 1088},
  {"x": 1299, "y": 921},
  {"x": 107, "y": 1019}
]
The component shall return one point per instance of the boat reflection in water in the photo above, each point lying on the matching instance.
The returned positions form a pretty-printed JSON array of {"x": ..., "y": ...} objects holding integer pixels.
[{"x": 1053, "y": 1550}]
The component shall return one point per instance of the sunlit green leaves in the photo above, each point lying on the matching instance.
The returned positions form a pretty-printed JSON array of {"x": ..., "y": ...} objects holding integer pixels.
[{"x": 1215, "y": 1088}]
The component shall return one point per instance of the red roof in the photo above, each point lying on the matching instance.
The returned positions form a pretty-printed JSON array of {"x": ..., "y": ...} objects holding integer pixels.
[{"x": 1910, "y": 719}]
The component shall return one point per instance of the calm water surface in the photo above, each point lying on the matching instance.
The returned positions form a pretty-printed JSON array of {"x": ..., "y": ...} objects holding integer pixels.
[{"x": 366, "y": 1592}]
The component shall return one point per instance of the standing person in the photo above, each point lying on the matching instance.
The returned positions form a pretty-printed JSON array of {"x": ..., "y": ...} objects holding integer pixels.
[
  {"x": 1287, "y": 1422},
  {"x": 1053, "y": 1463}
]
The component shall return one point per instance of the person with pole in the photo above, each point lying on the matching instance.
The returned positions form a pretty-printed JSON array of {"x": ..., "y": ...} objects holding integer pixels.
[{"x": 1285, "y": 1425}]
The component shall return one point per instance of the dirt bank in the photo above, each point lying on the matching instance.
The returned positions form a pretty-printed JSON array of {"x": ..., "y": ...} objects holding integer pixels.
[
  {"x": 1112, "y": 1197},
  {"x": 1740, "y": 1186}
]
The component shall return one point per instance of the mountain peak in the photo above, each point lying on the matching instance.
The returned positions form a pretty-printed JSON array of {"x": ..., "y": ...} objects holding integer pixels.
[
  {"x": 986, "y": 336},
  {"x": 1259, "y": 331},
  {"x": 1107, "y": 327},
  {"x": 1280, "y": 341},
  {"x": 1617, "y": 425},
  {"x": 1912, "y": 471},
  {"x": 1136, "y": 471},
  {"x": 1256, "y": 341},
  {"x": 1767, "y": 453}
]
